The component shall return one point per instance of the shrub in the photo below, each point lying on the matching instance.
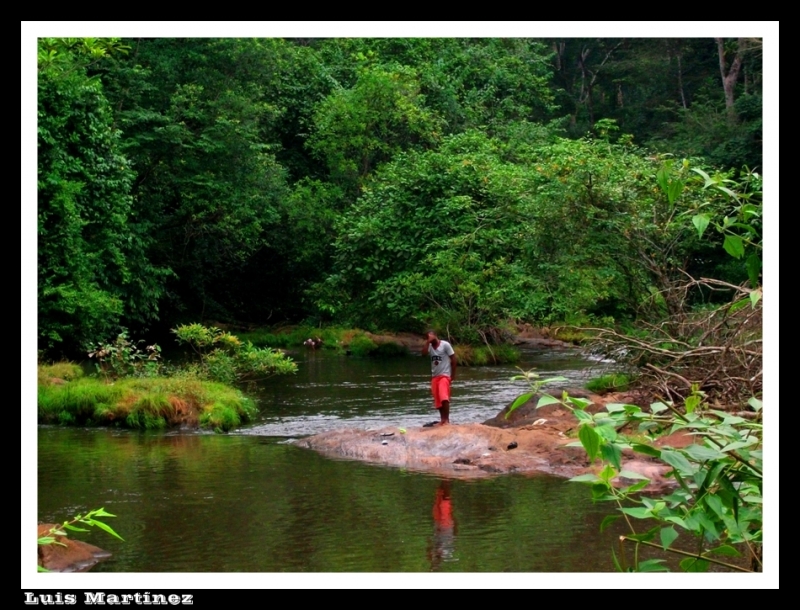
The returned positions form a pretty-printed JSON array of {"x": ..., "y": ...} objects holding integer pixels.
[
  {"x": 225, "y": 358},
  {"x": 126, "y": 358},
  {"x": 362, "y": 346}
]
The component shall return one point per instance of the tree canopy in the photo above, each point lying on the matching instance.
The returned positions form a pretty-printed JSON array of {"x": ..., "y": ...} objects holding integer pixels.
[{"x": 381, "y": 182}]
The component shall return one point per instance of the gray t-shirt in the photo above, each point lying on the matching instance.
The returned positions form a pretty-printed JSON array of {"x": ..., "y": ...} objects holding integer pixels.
[{"x": 440, "y": 358}]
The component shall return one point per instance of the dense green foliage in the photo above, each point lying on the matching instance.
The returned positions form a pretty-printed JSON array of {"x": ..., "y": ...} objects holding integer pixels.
[
  {"x": 472, "y": 235},
  {"x": 224, "y": 357},
  {"x": 697, "y": 359},
  {"x": 391, "y": 183},
  {"x": 93, "y": 271},
  {"x": 717, "y": 502}
]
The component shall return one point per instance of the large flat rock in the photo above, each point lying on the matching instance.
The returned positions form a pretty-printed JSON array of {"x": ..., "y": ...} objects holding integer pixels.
[{"x": 474, "y": 450}]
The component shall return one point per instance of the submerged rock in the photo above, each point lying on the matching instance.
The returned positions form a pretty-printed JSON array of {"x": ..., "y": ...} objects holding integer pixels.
[{"x": 67, "y": 554}]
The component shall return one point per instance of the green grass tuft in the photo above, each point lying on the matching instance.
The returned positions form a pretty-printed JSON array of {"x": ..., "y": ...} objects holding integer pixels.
[
  {"x": 63, "y": 371},
  {"x": 616, "y": 382},
  {"x": 144, "y": 403}
]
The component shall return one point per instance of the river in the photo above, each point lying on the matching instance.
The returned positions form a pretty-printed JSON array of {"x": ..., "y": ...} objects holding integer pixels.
[{"x": 252, "y": 502}]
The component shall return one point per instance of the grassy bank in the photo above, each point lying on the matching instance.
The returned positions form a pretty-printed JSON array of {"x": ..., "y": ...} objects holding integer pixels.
[
  {"x": 67, "y": 397},
  {"x": 359, "y": 343},
  {"x": 349, "y": 341}
]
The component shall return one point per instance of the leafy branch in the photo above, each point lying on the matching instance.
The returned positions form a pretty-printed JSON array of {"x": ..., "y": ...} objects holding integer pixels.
[
  {"x": 718, "y": 500},
  {"x": 90, "y": 519}
]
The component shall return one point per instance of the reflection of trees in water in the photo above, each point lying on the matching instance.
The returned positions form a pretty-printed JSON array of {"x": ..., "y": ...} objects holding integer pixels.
[{"x": 442, "y": 544}]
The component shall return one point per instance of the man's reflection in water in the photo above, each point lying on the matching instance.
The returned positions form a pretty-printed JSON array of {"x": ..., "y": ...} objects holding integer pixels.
[{"x": 442, "y": 545}]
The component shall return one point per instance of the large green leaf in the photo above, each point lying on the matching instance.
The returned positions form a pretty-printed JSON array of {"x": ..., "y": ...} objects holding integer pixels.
[
  {"x": 555, "y": 379},
  {"x": 734, "y": 246},
  {"x": 590, "y": 440},
  {"x": 607, "y": 431},
  {"x": 662, "y": 176},
  {"x": 607, "y": 473},
  {"x": 753, "y": 269},
  {"x": 701, "y": 222},
  {"x": 652, "y": 565},
  {"x": 691, "y": 403},
  {"x": 547, "y": 400},
  {"x": 612, "y": 454},
  {"x": 677, "y": 521},
  {"x": 646, "y": 449},
  {"x": 725, "y": 513},
  {"x": 755, "y": 403},
  {"x": 675, "y": 189},
  {"x": 701, "y": 453},
  {"x": 657, "y": 407},
  {"x": 678, "y": 462},
  {"x": 580, "y": 403},
  {"x": 668, "y": 536},
  {"x": 636, "y": 487},
  {"x": 690, "y": 564},
  {"x": 708, "y": 180},
  {"x": 520, "y": 400},
  {"x": 105, "y": 527},
  {"x": 637, "y": 512},
  {"x": 724, "y": 549}
]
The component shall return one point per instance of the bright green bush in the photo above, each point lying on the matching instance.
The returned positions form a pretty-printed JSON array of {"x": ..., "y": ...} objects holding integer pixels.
[
  {"x": 362, "y": 346},
  {"x": 226, "y": 358}
]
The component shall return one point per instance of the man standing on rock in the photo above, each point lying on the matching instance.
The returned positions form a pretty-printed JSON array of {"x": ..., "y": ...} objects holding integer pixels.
[{"x": 443, "y": 372}]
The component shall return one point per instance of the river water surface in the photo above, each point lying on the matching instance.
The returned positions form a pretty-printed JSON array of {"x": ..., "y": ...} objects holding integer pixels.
[{"x": 251, "y": 501}]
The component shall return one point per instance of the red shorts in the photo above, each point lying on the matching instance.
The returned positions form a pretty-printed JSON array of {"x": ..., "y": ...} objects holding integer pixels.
[{"x": 440, "y": 388}]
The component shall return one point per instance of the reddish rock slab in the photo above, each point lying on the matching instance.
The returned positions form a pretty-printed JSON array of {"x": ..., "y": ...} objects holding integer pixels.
[{"x": 474, "y": 450}]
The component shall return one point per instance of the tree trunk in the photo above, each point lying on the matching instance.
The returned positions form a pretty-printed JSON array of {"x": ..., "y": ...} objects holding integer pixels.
[
  {"x": 730, "y": 75},
  {"x": 680, "y": 80}
]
